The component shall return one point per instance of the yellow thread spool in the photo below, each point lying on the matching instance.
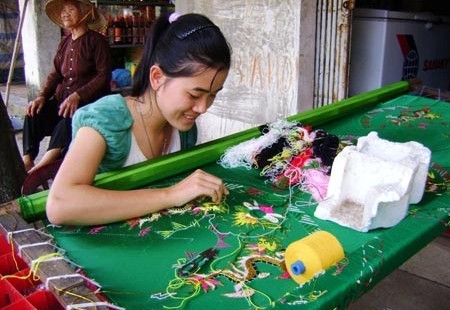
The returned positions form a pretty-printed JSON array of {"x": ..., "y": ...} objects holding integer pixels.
[{"x": 311, "y": 255}]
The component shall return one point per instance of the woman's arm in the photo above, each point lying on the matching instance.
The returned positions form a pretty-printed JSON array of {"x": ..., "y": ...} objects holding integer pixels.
[{"x": 74, "y": 200}]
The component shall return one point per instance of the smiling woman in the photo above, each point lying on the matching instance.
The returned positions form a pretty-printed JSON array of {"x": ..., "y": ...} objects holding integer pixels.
[{"x": 185, "y": 64}]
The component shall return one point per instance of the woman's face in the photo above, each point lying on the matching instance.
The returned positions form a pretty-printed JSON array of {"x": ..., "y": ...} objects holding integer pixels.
[
  {"x": 181, "y": 100},
  {"x": 70, "y": 15}
]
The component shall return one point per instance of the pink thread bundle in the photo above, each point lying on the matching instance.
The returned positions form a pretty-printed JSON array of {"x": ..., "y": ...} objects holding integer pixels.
[{"x": 288, "y": 155}]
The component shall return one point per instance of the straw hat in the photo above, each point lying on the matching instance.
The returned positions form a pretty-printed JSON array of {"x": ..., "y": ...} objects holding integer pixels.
[{"x": 96, "y": 20}]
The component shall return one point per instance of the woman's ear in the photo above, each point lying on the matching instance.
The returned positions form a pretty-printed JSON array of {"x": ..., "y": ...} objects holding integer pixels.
[{"x": 157, "y": 77}]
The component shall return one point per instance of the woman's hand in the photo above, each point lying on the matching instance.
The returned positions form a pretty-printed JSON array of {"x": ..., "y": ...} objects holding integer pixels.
[
  {"x": 199, "y": 183},
  {"x": 35, "y": 106},
  {"x": 69, "y": 105}
]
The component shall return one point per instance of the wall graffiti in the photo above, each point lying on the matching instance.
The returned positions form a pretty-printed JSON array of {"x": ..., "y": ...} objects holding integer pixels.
[{"x": 263, "y": 81}]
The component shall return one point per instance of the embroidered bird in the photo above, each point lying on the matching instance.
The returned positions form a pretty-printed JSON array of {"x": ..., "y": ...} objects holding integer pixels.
[{"x": 268, "y": 213}]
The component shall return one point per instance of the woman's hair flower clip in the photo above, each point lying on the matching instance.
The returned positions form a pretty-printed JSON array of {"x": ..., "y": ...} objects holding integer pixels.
[{"x": 173, "y": 17}]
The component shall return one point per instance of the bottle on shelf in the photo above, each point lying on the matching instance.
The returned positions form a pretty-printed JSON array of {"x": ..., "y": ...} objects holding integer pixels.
[
  {"x": 128, "y": 25},
  {"x": 129, "y": 22},
  {"x": 135, "y": 29},
  {"x": 118, "y": 29},
  {"x": 142, "y": 23},
  {"x": 110, "y": 30}
]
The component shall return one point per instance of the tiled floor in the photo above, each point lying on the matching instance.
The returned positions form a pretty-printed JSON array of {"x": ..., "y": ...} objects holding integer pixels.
[{"x": 423, "y": 282}]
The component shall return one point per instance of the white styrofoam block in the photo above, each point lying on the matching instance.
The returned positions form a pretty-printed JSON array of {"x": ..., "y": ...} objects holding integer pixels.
[
  {"x": 410, "y": 153},
  {"x": 372, "y": 184}
]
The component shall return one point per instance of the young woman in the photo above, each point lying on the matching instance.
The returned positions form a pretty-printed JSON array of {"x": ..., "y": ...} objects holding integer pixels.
[
  {"x": 81, "y": 74},
  {"x": 185, "y": 64}
]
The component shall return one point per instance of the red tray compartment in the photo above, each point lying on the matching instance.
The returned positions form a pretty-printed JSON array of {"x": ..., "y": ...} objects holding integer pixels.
[
  {"x": 8, "y": 294},
  {"x": 22, "y": 304},
  {"x": 24, "y": 286},
  {"x": 8, "y": 264},
  {"x": 43, "y": 300},
  {"x": 5, "y": 247}
]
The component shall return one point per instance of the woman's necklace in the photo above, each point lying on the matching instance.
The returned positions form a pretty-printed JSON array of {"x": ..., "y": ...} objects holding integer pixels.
[{"x": 139, "y": 111}]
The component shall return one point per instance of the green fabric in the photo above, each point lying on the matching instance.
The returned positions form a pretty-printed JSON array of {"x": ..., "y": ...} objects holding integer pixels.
[
  {"x": 33, "y": 206},
  {"x": 112, "y": 119},
  {"x": 135, "y": 261}
]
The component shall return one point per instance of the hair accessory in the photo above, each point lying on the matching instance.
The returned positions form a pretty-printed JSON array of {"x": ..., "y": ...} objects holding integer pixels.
[
  {"x": 184, "y": 35},
  {"x": 173, "y": 17}
]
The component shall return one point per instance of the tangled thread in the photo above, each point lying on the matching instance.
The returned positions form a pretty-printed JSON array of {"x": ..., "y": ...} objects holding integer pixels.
[{"x": 288, "y": 154}]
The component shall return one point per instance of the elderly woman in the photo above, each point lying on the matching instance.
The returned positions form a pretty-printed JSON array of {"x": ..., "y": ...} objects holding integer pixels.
[{"x": 81, "y": 75}]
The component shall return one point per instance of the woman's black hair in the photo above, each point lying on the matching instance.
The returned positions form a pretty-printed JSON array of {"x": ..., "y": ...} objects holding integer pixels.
[{"x": 181, "y": 49}]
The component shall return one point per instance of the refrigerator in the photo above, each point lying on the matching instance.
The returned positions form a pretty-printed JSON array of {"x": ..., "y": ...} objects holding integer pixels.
[{"x": 390, "y": 46}]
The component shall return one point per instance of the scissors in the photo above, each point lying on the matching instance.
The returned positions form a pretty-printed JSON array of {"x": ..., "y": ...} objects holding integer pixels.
[{"x": 196, "y": 262}]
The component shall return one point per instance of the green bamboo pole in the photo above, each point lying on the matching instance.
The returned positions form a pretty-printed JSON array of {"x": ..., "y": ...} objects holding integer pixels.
[{"x": 32, "y": 207}]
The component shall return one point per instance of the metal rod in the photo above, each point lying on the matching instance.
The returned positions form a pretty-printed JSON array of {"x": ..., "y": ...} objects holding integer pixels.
[{"x": 15, "y": 50}]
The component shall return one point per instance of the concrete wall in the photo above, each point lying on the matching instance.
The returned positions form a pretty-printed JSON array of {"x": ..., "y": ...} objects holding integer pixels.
[
  {"x": 40, "y": 38},
  {"x": 272, "y": 74},
  {"x": 272, "y": 63}
]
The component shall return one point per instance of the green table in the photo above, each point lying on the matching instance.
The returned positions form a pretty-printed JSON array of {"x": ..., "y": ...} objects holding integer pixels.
[{"x": 136, "y": 261}]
